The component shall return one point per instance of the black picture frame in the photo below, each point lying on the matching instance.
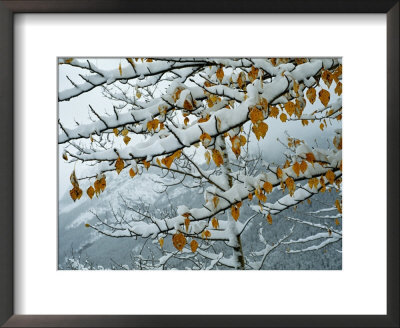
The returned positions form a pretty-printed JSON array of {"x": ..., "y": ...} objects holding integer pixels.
[{"x": 7, "y": 172}]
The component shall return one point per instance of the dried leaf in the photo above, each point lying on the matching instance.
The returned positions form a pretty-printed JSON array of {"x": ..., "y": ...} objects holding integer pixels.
[
  {"x": 132, "y": 173},
  {"x": 193, "y": 245},
  {"x": 269, "y": 218},
  {"x": 207, "y": 156},
  {"x": 119, "y": 165},
  {"x": 161, "y": 242},
  {"x": 338, "y": 89},
  {"x": 187, "y": 105},
  {"x": 215, "y": 201},
  {"x": 115, "y": 130},
  {"x": 179, "y": 241},
  {"x": 215, "y": 223},
  {"x": 267, "y": 187},
  {"x": 217, "y": 157},
  {"x": 205, "y": 139},
  {"x": 187, "y": 222},
  {"x": 235, "y": 212},
  {"x": 324, "y": 96},
  {"x": 126, "y": 140},
  {"x": 283, "y": 117},
  {"x": 90, "y": 192},
  {"x": 311, "y": 95},
  {"x": 330, "y": 176},
  {"x": 220, "y": 74},
  {"x": 120, "y": 69},
  {"x": 146, "y": 164}
]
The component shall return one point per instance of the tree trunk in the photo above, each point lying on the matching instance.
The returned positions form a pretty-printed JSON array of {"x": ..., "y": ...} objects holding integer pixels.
[{"x": 237, "y": 250}]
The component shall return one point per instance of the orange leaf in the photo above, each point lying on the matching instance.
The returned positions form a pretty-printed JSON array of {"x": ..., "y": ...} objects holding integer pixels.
[
  {"x": 267, "y": 187},
  {"x": 269, "y": 218},
  {"x": 132, "y": 173},
  {"x": 186, "y": 121},
  {"x": 187, "y": 105},
  {"x": 115, "y": 130},
  {"x": 296, "y": 168},
  {"x": 120, "y": 69},
  {"x": 324, "y": 96},
  {"x": 274, "y": 111},
  {"x": 260, "y": 130},
  {"x": 279, "y": 173},
  {"x": 187, "y": 222},
  {"x": 75, "y": 193},
  {"x": 250, "y": 196},
  {"x": 90, "y": 192},
  {"x": 215, "y": 223},
  {"x": 179, "y": 241},
  {"x": 126, "y": 140},
  {"x": 283, "y": 117},
  {"x": 220, "y": 74},
  {"x": 310, "y": 158},
  {"x": 215, "y": 201},
  {"x": 217, "y": 157},
  {"x": 207, "y": 156},
  {"x": 119, "y": 165},
  {"x": 256, "y": 115},
  {"x": 330, "y": 176},
  {"x": 303, "y": 166},
  {"x": 235, "y": 212},
  {"x": 311, "y": 95},
  {"x": 205, "y": 139},
  {"x": 193, "y": 245},
  {"x": 152, "y": 125},
  {"x": 289, "y": 107},
  {"x": 146, "y": 164},
  {"x": 161, "y": 241},
  {"x": 338, "y": 89}
]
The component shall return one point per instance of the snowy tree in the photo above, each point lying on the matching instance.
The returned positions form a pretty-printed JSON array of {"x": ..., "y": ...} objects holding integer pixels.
[{"x": 168, "y": 113}]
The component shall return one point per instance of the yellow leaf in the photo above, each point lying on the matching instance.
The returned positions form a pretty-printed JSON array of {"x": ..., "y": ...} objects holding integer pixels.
[
  {"x": 240, "y": 80},
  {"x": 119, "y": 165},
  {"x": 187, "y": 105},
  {"x": 338, "y": 89},
  {"x": 283, "y": 117},
  {"x": 126, "y": 140},
  {"x": 124, "y": 132},
  {"x": 256, "y": 115},
  {"x": 260, "y": 195},
  {"x": 337, "y": 222},
  {"x": 267, "y": 187},
  {"x": 330, "y": 176},
  {"x": 274, "y": 111},
  {"x": 215, "y": 201},
  {"x": 303, "y": 166},
  {"x": 90, "y": 192},
  {"x": 243, "y": 140},
  {"x": 207, "y": 156},
  {"x": 253, "y": 73},
  {"x": 152, "y": 125},
  {"x": 310, "y": 158},
  {"x": 204, "y": 119},
  {"x": 75, "y": 193},
  {"x": 269, "y": 218},
  {"x": 187, "y": 222},
  {"x": 68, "y": 60},
  {"x": 296, "y": 168},
  {"x": 235, "y": 212},
  {"x": 186, "y": 121},
  {"x": 215, "y": 223},
  {"x": 220, "y": 74},
  {"x": 149, "y": 60},
  {"x": 115, "y": 130},
  {"x": 279, "y": 173},
  {"x": 146, "y": 164},
  {"x": 327, "y": 77},
  {"x": 217, "y": 157},
  {"x": 324, "y": 96},
  {"x": 321, "y": 126},
  {"x": 179, "y": 241},
  {"x": 290, "y": 185},
  {"x": 250, "y": 196},
  {"x": 289, "y": 107},
  {"x": 260, "y": 130},
  {"x": 193, "y": 245},
  {"x": 120, "y": 69},
  {"x": 138, "y": 94},
  {"x": 205, "y": 139},
  {"x": 206, "y": 234},
  {"x": 309, "y": 201},
  {"x": 132, "y": 173},
  {"x": 296, "y": 87},
  {"x": 338, "y": 206},
  {"x": 311, "y": 95},
  {"x": 161, "y": 241}
]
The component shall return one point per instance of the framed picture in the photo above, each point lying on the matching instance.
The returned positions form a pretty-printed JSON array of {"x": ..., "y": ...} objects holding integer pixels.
[{"x": 211, "y": 68}]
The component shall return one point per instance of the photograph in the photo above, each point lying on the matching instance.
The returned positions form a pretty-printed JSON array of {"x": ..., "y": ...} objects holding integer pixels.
[{"x": 179, "y": 163}]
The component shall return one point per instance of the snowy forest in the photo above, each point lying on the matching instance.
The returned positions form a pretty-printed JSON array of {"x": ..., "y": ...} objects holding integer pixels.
[{"x": 200, "y": 163}]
